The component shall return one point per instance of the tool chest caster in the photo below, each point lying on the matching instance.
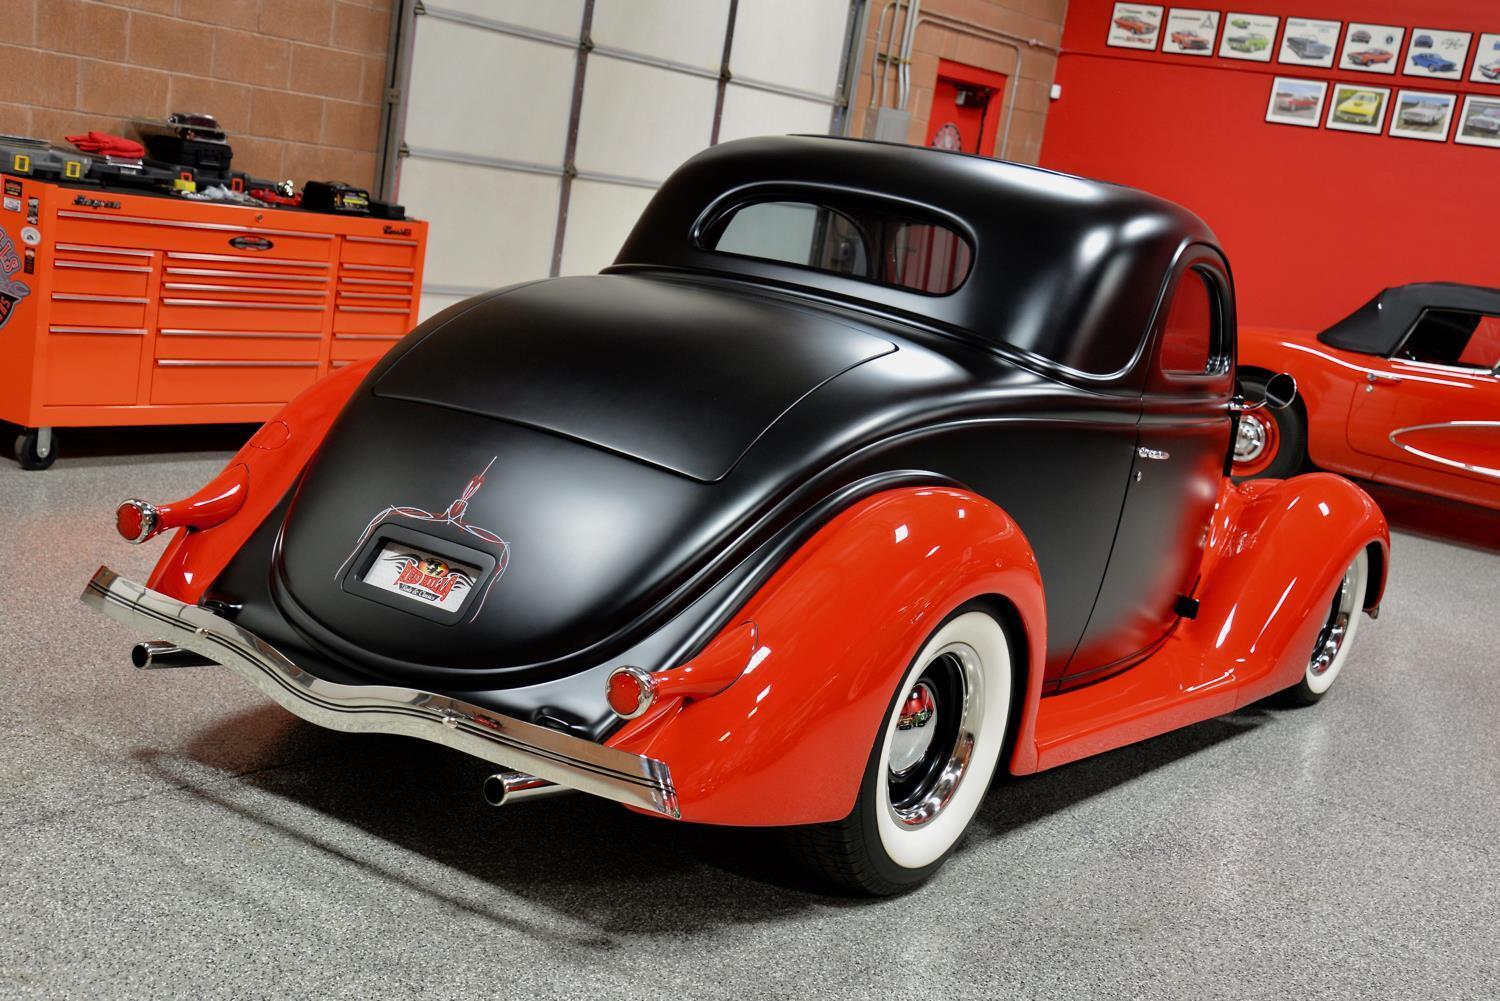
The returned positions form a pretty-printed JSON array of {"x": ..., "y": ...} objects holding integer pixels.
[{"x": 36, "y": 448}]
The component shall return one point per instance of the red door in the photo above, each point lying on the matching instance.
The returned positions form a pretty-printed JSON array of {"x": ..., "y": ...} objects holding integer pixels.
[
  {"x": 1432, "y": 410},
  {"x": 966, "y": 108}
]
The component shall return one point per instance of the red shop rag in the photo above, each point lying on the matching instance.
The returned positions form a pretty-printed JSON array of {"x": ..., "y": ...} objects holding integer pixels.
[{"x": 107, "y": 145}]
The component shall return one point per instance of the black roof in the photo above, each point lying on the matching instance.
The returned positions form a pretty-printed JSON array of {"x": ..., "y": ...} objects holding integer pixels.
[
  {"x": 1064, "y": 268},
  {"x": 1380, "y": 325}
]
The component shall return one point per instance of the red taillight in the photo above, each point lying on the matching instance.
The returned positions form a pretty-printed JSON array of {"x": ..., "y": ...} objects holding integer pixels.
[
  {"x": 629, "y": 691},
  {"x": 137, "y": 521}
]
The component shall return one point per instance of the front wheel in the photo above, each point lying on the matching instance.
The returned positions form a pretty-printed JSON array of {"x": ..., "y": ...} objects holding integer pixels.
[
  {"x": 1335, "y": 638},
  {"x": 1268, "y": 442},
  {"x": 930, "y": 767}
]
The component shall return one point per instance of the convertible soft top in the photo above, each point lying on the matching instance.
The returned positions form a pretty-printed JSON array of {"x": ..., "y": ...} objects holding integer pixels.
[
  {"x": 1066, "y": 269},
  {"x": 1379, "y": 326}
]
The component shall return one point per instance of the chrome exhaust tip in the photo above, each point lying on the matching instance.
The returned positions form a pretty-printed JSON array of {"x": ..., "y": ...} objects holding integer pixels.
[
  {"x": 503, "y": 788},
  {"x": 157, "y": 654}
]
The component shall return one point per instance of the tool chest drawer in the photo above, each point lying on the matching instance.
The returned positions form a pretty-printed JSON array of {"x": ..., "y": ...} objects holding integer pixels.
[{"x": 137, "y": 309}]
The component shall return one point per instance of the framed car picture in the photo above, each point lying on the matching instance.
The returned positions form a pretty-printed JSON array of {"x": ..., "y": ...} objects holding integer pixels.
[
  {"x": 1487, "y": 60},
  {"x": 1371, "y": 48},
  {"x": 1296, "y": 102},
  {"x": 1190, "y": 32},
  {"x": 1437, "y": 54},
  {"x": 1355, "y": 108},
  {"x": 1479, "y": 125},
  {"x": 1420, "y": 115},
  {"x": 1248, "y": 36},
  {"x": 1135, "y": 26},
  {"x": 1309, "y": 42}
]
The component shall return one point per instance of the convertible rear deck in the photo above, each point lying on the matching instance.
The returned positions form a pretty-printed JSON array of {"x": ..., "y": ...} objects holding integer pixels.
[{"x": 636, "y": 781}]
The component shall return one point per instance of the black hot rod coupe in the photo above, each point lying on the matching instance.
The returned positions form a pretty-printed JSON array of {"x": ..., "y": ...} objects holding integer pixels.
[{"x": 864, "y": 471}]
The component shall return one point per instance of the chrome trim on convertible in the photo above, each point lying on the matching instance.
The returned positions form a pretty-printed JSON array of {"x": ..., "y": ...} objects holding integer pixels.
[
  {"x": 1395, "y": 439},
  {"x": 547, "y": 754}
]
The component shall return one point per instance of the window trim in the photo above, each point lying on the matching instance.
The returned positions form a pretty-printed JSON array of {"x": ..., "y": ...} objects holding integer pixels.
[
  {"x": 1220, "y": 362},
  {"x": 1446, "y": 366}
]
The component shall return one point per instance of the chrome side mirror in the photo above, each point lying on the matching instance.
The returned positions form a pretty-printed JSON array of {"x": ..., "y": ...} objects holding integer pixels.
[{"x": 1279, "y": 392}]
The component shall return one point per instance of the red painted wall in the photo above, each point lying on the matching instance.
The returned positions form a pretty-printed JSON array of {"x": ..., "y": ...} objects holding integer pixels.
[{"x": 1315, "y": 222}]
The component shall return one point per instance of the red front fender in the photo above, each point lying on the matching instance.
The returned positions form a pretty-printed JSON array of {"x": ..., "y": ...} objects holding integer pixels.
[{"x": 788, "y": 742}]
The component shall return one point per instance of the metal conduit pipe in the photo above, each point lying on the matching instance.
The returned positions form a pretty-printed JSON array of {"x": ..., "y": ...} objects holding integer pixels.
[
  {"x": 903, "y": 68},
  {"x": 886, "y": 58},
  {"x": 875, "y": 94},
  {"x": 1012, "y": 42}
]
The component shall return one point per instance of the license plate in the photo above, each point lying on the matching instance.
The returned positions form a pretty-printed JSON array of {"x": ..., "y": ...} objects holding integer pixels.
[{"x": 422, "y": 577}]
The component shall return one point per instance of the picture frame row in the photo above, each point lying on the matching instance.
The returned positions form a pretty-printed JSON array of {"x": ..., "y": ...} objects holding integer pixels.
[
  {"x": 1429, "y": 53},
  {"x": 1358, "y": 107}
]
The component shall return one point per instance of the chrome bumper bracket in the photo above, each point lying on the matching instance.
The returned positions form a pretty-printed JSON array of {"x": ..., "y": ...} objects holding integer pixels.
[{"x": 557, "y": 757}]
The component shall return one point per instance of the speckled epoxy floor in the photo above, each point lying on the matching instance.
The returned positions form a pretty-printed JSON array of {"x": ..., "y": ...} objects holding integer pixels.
[{"x": 173, "y": 835}]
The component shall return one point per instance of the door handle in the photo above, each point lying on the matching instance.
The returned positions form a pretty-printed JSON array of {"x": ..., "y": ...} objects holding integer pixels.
[
  {"x": 1382, "y": 377},
  {"x": 1151, "y": 453}
]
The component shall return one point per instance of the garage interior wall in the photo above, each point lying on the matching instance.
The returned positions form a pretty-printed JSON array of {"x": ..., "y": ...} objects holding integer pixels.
[
  {"x": 1016, "y": 38},
  {"x": 1315, "y": 222},
  {"x": 298, "y": 84},
  {"x": 491, "y": 95}
]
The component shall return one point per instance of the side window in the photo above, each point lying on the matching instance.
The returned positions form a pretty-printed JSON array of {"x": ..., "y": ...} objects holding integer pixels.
[
  {"x": 1454, "y": 337},
  {"x": 1190, "y": 337}
]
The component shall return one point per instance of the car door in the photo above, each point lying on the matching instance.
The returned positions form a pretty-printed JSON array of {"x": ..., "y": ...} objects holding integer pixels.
[
  {"x": 1431, "y": 411},
  {"x": 1182, "y": 444}
]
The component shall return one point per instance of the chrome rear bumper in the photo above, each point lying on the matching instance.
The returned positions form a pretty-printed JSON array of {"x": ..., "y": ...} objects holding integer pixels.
[{"x": 548, "y": 754}]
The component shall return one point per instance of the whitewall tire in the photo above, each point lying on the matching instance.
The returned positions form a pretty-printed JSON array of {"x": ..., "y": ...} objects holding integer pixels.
[
  {"x": 938, "y": 748},
  {"x": 1336, "y": 637}
]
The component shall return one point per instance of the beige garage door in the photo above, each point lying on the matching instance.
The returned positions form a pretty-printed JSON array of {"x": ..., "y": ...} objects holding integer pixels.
[{"x": 535, "y": 132}]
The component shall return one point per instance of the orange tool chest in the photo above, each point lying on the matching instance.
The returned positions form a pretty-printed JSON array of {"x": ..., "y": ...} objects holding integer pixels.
[{"x": 126, "y": 309}]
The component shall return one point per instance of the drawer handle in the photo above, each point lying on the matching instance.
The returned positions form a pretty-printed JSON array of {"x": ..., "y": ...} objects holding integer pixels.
[
  {"x": 231, "y": 303},
  {"x": 267, "y": 334},
  {"x": 101, "y": 266},
  {"x": 173, "y": 255},
  {"x": 85, "y": 297},
  {"x": 239, "y": 289},
  {"x": 197, "y": 363},
  {"x": 122, "y": 331}
]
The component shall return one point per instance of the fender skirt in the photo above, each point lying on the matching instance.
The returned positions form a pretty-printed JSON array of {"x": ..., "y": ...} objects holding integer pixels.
[{"x": 836, "y": 626}]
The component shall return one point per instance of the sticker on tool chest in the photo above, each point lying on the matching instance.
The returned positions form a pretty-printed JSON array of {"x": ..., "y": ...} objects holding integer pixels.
[
  {"x": 13, "y": 187},
  {"x": 12, "y": 290}
]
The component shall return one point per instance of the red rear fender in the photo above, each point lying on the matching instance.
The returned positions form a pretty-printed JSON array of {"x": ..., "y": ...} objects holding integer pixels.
[
  {"x": 262, "y": 471},
  {"x": 787, "y": 743}
]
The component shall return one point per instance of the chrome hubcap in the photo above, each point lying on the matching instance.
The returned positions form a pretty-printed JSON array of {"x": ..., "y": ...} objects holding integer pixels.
[
  {"x": 1250, "y": 439},
  {"x": 1331, "y": 638},
  {"x": 935, "y": 735}
]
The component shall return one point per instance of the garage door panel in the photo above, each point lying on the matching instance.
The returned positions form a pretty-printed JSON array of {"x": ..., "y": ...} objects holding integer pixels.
[
  {"x": 600, "y": 216},
  {"x": 488, "y": 227},
  {"x": 435, "y": 302},
  {"x": 793, "y": 43},
  {"x": 558, "y": 17},
  {"x": 641, "y": 121},
  {"x": 489, "y": 94},
  {"x": 751, "y": 112},
  {"x": 683, "y": 31}
]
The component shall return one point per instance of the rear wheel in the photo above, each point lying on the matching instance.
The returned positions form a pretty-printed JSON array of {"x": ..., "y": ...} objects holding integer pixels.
[
  {"x": 1268, "y": 442},
  {"x": 931, "y": 765},
  {"x": 1336, "y": 637}
]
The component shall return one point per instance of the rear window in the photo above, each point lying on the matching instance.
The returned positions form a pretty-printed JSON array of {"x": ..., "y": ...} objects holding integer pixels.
[{"x": 866, "y": 243}]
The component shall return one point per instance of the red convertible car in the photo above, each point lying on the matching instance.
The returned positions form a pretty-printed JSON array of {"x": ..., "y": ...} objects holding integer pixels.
[
  {"x": 865, "y": 473},
  {"x": 1405, "y": 391},
  {"x": 1189, "y": 40}
]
